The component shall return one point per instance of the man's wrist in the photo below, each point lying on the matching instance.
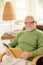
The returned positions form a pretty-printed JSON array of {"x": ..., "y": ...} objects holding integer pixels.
[{"x": 29, "y": 54}]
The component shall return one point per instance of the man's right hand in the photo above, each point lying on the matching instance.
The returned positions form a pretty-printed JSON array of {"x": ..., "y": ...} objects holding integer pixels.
[{"x": 7, "y": 52}]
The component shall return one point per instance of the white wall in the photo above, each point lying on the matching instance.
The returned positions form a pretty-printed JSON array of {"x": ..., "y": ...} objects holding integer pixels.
[{"x": 4, "y": 28}]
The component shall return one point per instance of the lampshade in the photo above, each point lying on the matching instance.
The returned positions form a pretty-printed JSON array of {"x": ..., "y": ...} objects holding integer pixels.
[{"x": 9, "y": 12}]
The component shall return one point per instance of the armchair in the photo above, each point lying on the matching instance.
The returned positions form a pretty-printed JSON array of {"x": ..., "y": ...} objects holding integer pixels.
[{"x": 38, "y": 60}]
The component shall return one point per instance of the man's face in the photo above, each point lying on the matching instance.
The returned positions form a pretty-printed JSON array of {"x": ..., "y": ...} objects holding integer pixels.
[{"x": 30, "y": 24}]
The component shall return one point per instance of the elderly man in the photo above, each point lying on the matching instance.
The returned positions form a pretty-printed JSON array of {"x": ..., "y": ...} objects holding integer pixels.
[{"x": 30, "y": 41}]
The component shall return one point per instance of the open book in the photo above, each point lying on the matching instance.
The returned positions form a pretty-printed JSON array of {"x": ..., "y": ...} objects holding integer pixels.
[{"x": 16, "y": 52}]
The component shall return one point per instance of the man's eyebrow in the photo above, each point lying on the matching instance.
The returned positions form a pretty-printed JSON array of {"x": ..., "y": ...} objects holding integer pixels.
[{"x": 30, "y": 21}]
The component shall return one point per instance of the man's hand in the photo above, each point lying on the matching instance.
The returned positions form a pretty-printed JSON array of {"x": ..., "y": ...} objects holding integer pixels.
[
  {"x": 26, "y": 55},
  {"x": 7, "y": 52}
]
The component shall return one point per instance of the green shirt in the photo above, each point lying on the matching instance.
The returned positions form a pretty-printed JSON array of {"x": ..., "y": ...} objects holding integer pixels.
[{"x": 29, "y": 41}]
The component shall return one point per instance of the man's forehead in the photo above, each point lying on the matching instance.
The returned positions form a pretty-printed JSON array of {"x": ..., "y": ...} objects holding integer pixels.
[{"x": 29, "y": 19}]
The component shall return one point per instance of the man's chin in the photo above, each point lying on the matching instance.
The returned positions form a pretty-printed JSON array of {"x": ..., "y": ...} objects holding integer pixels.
[{"x": 29, "y": 29}]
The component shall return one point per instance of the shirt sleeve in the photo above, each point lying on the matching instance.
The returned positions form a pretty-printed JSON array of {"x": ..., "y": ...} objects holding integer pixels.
[
  {"x": 14, "y": 42},
  {"x": 39, "y": 50}
]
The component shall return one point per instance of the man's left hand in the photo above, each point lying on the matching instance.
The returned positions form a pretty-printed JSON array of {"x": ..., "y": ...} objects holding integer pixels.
[{"x": 26, "y": 55}]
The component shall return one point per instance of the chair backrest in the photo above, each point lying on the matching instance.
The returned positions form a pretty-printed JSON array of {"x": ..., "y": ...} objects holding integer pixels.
[{"x": 40, "y": 27}]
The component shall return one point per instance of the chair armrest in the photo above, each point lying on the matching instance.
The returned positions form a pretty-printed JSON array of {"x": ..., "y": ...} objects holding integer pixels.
[
  {"x": 1, "y": 56},
  {"x": 15, "y": 52},
  {"x": 36, "y": 59}
]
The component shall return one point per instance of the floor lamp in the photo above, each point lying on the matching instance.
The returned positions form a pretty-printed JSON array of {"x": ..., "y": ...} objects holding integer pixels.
[{"x": 9, "y": 13}]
